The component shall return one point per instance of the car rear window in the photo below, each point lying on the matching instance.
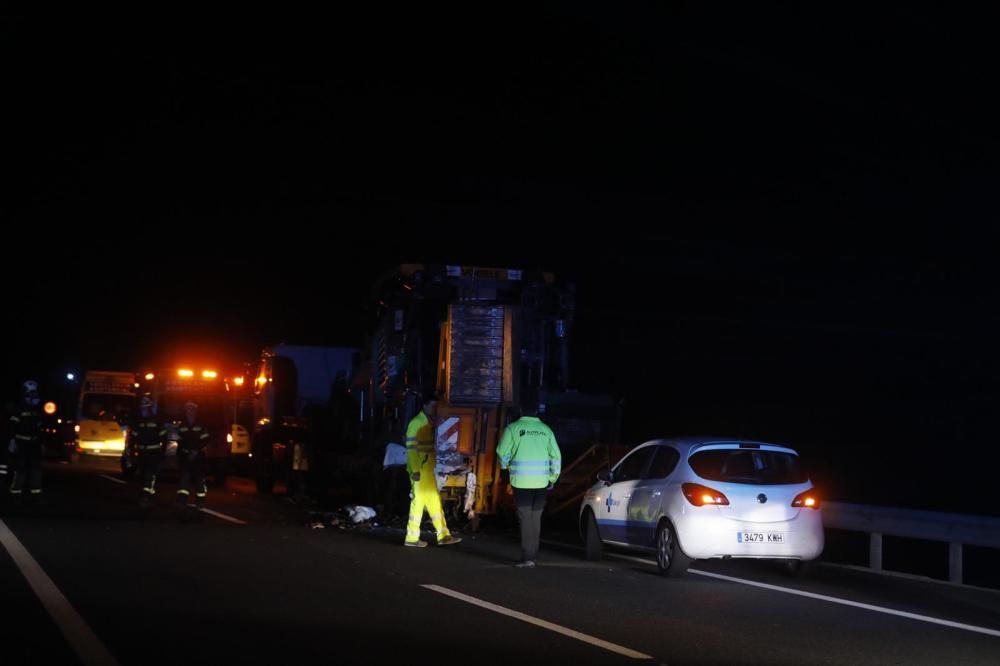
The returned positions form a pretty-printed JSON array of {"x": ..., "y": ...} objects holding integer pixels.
[{"x": 748, "y": 466}]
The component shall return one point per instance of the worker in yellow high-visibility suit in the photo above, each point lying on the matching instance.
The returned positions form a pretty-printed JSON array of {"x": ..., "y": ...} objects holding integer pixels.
[{"x": 420, "y": 463}]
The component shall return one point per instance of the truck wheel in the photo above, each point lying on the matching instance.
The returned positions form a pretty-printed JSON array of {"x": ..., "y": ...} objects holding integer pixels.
[
  {"x": 220, "y": 472},
  {"x": 263, "y": 476}
]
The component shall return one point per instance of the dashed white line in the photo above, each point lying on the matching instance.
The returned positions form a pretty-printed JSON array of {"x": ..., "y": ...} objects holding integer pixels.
[
  {"x": 111, "y": 478},
  {"x": 79, "y": 635},
  {"x": 832, "y": 600},
  {"x": 223, "y": 516},
  {"x": 611, "y": 647}
]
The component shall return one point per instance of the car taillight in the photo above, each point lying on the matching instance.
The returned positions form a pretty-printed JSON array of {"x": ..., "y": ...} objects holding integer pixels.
[
  {"x": 700, "y": 495},
  {"x": 807, "y": 500}
]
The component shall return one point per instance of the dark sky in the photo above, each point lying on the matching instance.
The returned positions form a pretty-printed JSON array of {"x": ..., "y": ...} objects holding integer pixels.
[{"x": 774, "y": 216}]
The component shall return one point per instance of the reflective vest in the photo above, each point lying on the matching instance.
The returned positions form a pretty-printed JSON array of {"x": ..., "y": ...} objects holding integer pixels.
[
  {"x": 529, "y": 450},
  {"x": 149, "y": 435},
  {"x": 26, "y": 424},
  {"x": 420, "y": 444},
  {"x": 193, "y": 438}
]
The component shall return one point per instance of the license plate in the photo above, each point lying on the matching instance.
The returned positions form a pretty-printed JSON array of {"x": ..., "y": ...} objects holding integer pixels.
[{"x": 759, "y": 537}]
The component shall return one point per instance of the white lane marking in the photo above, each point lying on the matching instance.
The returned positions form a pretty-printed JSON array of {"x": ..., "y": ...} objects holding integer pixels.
[
  {"x": 611, "y": 647},
  {"x": 833, "y": 600},
  {"x": 208, "y": 511},
  {"x": 906, "y": 576},
  {"x": 223, "y": 516},
  {"x": 82, "y": 639},
  {"x": 111, "y": 478}
]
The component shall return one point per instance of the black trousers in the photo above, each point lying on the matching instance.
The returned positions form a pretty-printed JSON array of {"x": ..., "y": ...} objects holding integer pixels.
[
  {"x": 25, "y": 468},
  {"x": 149, "y": 466},
  {"x": 192, "y": 476},
  {"x": 530, "y": 504}
]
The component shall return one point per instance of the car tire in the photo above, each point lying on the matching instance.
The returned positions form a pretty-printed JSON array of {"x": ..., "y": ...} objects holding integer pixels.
[
  {"x": 261, "y": 463},
  {"x": 801, "y": 569},
  {"x": 670, "y": 559},
  {"x": 593, "y": 549},
  {"x": 219, "y": 473}
]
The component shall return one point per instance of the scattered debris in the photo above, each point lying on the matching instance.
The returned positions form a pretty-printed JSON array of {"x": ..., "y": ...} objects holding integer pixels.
[{"x": 346, "y": 517}]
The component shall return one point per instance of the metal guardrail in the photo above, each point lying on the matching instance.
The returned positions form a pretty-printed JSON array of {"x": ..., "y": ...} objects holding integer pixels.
[{"x": 957, "y": 530}]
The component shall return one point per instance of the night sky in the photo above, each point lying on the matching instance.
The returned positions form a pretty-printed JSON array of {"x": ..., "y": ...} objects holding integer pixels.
[{"x": 780, "y": 221}]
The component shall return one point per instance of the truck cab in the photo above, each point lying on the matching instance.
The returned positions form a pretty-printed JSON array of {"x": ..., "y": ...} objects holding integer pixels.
[{"x": 295, "y": 388}]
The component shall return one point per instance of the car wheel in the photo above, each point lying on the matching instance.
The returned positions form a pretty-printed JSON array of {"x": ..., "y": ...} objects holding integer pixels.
[
  {"x": 670, "y": 560},
  {"x": 799, "y": 568},
  {"x": 592, "y": 546}
]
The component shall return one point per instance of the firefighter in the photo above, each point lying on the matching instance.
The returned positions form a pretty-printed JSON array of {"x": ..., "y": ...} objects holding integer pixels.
[
  {"x": 191, "y": 457},
  {"x": 529, "y": 450},
  {"x": 25, "y": 446},
  {"x": 149, "y": 439},
  {"x": 8, "y": 411},
  {"x": 420, "y": 463}
]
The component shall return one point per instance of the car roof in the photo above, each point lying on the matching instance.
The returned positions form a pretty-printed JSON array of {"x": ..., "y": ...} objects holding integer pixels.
[{"x": 688, "y": 445}]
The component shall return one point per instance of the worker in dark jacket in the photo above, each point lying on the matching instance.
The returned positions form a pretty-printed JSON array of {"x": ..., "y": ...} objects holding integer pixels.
[
  {"x": 9, "y": 409},
  {"x": 191, "y": 457},
  {"x": 25, "y": 446},
  {"x": 149, "y": 438}
]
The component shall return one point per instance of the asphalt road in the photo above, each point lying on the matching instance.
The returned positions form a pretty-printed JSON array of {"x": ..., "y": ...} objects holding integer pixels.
[{"x": 253, "y": 583}]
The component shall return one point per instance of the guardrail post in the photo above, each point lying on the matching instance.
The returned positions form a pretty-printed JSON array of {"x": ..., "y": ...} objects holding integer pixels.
[
  {"x": 955, "y": 562},
  {"x": 875, "y": 552}
]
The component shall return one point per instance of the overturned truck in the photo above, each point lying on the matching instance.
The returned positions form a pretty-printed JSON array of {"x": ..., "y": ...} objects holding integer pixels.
[{"x": 484, "y": 339}]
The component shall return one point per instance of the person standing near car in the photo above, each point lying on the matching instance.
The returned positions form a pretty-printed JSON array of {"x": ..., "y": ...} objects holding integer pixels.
[
  {"x": 529, "y": 450},
  {"x": 149, "y": 438}
]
